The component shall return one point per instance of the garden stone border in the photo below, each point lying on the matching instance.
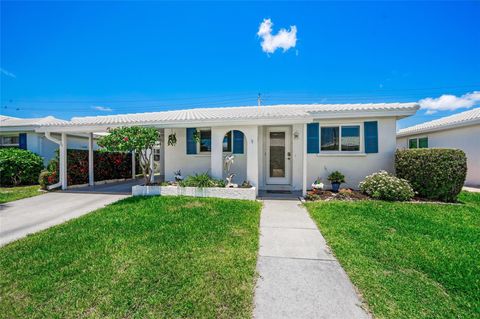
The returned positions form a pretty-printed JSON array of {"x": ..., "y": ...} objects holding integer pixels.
[{"x": 218, "y": 192}]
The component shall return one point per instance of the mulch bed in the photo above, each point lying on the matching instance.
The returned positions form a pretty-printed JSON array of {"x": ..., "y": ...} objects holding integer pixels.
[
  {"x": 345, "y": 194},
  {"x": 348, "y": 194}
]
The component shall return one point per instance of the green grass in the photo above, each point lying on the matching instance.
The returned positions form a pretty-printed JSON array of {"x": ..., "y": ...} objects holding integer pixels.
[
  {"x": 9, "y": 194},
  {"x": 156, "y": 257},
  {"x": 408, "y": 260}
]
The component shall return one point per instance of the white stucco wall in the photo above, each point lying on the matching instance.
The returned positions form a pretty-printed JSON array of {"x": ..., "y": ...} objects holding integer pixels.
[
  {"x": 176, "y": 158},
  {"x": 465, "y": 138},
  {"x": 355, "y": 166},
  {"x": 40, "y": 145}
]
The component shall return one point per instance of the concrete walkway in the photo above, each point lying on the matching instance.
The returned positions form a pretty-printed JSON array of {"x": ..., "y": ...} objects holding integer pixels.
[
  {"x": 471, "y": 189},
  {"x": 298, "y": 275},
  {"x": 30, "y": 215}
]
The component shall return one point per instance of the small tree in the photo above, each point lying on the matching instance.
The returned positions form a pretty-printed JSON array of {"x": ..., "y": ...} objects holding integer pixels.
[{"x": 133, "y": 139}]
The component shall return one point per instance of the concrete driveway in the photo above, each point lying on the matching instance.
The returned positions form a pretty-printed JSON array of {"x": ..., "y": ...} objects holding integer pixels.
[{"x": 30, "y": 215}]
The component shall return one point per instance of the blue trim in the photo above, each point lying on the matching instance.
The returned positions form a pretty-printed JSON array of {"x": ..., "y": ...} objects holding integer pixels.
[
  {"x": 191, "y": 144},
  {"x": 22, "y": 141},
  {"x": 313, "y": 142},
  {"x": 371, "y": 136},
  {"x": 238, "y": 142}
]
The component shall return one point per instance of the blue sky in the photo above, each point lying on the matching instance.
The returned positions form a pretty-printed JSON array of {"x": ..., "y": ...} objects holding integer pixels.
[{"x": 76, "y": 59}]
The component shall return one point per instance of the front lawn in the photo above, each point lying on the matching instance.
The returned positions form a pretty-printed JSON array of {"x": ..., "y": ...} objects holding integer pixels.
[
  {"x": 408, "y": 260},
  {"x": 157, "y": 257},
  {"x": 9, "y": 194}
]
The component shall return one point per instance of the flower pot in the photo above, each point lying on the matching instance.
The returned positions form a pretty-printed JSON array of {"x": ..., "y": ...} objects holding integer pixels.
[{"x": 335, "y": 187}]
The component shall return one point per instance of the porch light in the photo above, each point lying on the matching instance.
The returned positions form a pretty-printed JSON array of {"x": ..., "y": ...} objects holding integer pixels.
[{"x": 296, "y": 135}]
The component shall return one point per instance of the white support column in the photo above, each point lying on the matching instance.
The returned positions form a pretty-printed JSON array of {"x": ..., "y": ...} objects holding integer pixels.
[
  {"x": 216, "y": 159},
  {"x": 91, "y": 178},
  {"x": 63, "y": 161},
  {"x": 134, "y": 164},
  {"x": 304, "y": 137},
  {"x": 252, "y": 155}
]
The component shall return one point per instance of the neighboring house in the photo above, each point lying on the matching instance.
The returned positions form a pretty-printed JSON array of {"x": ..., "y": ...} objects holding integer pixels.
[
  {"x": 460, "y": 131},
  {"x": 280, "y": 147},
  {"x": 20, "y": 133}
]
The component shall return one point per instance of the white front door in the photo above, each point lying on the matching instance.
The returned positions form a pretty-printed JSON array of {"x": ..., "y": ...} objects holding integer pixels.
[{"x": 279, "y": 155}]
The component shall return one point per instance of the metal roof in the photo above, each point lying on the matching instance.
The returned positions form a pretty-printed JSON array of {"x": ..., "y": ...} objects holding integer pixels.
[
  {"x": 8, "y": 121},
  {"x": 242, "y": 113},
  {"x": 457, "y": 120}
]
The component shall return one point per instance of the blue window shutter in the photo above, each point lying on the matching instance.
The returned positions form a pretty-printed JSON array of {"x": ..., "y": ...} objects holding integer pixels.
[
  {"x": 313, "y": 143},
  {"x": 22, "y": 141},
  {"x": 237, "y": 142},
  {"x": 191, "y": 144},
  {"x": 371, "y": 136}
]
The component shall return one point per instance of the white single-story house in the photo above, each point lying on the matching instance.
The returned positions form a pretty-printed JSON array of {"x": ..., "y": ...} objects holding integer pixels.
[
  {"x": 20, "y": 133},
  {"x": 278, "y": 147},
  {"x": 461, "y": 131}
]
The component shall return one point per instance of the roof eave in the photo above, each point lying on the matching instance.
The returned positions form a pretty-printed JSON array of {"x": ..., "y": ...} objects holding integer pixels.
[
  {"x": 72, "y": 127},
  {"x": 439, "y": 128}
]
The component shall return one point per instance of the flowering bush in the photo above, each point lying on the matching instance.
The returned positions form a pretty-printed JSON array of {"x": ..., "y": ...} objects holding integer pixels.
[
  {"x": 382, "y": 185},
  {"x": 47, "y": 178},
  {"x": 138, "y": 139}
]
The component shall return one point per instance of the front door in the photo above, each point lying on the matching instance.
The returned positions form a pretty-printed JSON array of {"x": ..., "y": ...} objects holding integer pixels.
[{"x": 279, "y": 154}]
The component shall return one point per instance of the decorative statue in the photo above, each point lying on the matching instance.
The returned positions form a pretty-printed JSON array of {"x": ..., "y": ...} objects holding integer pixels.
[
  {"x": 229, "y": 181},
  {"x": 227, "y": 164},
  {"x": 178, "y": 176}
]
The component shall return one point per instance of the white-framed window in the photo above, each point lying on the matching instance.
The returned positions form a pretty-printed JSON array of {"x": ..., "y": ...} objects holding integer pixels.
[
  {"x": 418, "y": 142},
  {"x": 227, "y": 142},
  {"x": 205, "y": 145},
  {"x": 9, "y": 141},
  {"x": 340, "y": 138}
]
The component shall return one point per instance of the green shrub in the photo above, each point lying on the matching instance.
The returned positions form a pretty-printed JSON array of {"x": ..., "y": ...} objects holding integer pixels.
[
  {"x": 384, "y": 186},
  {"x": 201, "y": 180},
  {"x": 434, "y": 173},
  {"x": 19, "y": 167},
  {"x": 336, "y": 177}
]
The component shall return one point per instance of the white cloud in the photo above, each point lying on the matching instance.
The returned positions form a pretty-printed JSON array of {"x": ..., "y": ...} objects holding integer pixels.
[
  {"x": 282, "y": 40},
  {"x": 10, "y": 74},
  {"x": 448, "y": 102},
  {"x": 102, "y": 108}
]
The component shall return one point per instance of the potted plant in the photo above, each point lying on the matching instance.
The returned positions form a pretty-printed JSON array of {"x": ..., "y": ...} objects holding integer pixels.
[
  {"x": 336, "y": 178},
  {"x": 172, "y": 139},
  {"x": 317, "y": 184}
]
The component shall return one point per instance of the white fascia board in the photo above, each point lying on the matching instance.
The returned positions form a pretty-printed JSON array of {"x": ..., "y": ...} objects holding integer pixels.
[
  {"x": 79, "y": 128},
  {"x": 440, "y": 128},
  {"x": 19, "y": 129}
]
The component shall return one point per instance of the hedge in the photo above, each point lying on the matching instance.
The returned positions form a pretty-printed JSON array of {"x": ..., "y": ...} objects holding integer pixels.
[
  {"x": 106, "y": 166},
  {"x": 19, "y": 167},
  {"x": 434, "y": 173}
]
